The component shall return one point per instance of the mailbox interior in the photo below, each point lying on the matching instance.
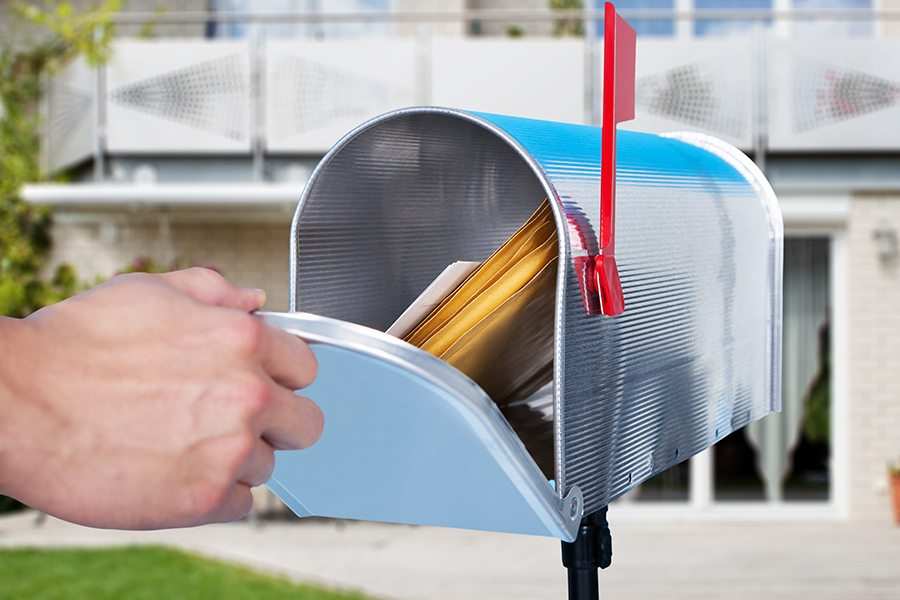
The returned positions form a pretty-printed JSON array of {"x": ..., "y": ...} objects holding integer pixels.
[{"x": 395, "y": 203}]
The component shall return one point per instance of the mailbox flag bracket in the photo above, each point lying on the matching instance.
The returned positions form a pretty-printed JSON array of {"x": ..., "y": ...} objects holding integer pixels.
[{"x": 619, "y": 49}]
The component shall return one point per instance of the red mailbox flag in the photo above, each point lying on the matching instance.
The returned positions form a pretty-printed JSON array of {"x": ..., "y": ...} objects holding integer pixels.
[{"x": 619, "y": 47}]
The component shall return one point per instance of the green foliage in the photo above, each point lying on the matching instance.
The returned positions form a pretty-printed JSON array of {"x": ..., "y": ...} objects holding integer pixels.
[
  {"x": 147, "y": 30},
  {"x": 88, "y": 34},
  {"x": 817, "y": 412},
  {"x": 139, "y": 573},
  {"x": 515, "y": 31},
  {"x": 145, "y": 264},
  {"x": 568, "y": 26},
  {"x": 25, "y": 230}
]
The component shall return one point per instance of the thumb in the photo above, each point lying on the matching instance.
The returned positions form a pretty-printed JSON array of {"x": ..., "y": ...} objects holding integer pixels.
[{"x": 209, "y": 287}]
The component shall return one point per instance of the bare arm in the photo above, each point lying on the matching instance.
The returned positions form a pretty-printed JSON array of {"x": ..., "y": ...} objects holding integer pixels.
[{"x": 150, "y": 401}]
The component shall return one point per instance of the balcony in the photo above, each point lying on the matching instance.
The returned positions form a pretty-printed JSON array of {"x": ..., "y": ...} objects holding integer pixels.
[
  {"x": 244, "y": 121},
  {"x": 207, "y": 97}
]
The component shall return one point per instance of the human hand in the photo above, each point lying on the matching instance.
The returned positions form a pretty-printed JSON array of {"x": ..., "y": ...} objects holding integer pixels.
[{"x": 150, "y": 401}]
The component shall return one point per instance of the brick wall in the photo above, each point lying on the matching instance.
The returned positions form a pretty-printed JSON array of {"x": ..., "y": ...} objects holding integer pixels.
[
  {"x": 890, "y": 28},
  {"x": 249, "y": 254},
  {"x": 874, "y": 357}
]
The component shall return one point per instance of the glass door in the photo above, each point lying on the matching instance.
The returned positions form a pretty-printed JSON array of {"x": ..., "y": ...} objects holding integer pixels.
[{"x": 786, "y": 457}]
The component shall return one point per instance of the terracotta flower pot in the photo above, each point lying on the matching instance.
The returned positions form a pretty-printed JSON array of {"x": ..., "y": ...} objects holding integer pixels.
[{"x": 895, "y": 493}]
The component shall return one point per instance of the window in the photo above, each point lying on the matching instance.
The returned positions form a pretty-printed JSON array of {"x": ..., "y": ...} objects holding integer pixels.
[
  {"x": 298, "y": 29},
  {"x": 711, "y": 27},
  {"x": 643, "y": 27},
  {"x": 787, "y": 457},
  {"x": 843, "y": 28}
]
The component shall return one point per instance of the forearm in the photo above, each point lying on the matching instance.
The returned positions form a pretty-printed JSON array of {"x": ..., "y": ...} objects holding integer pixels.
[
  {"x": 8, "y": 335},
  {"x": 16, "y": 367}
]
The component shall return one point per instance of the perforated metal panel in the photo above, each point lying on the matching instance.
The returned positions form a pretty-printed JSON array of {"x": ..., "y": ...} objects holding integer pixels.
[
  {"x": 525, "y": 77},
  {"x": 696, "y": 354},
  {"x": 69, "y": 124},
  {"x": 835, "y": 94},
  {"x": 825, "y": 94},
  {"x": 184, "y": 96},
  {"x": 210, "y": 96},
  {"x": 317, "y": 90},
  {"x": 698, "y": 85}
]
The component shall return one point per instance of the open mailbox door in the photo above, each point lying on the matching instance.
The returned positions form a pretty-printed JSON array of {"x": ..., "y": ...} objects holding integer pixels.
[
  {"x": 409, "y": 439},
  {"x": 686, "y": 353}
]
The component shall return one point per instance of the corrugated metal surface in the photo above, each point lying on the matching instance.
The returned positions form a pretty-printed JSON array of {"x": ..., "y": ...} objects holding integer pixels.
[{"x": 696, "y": 353}]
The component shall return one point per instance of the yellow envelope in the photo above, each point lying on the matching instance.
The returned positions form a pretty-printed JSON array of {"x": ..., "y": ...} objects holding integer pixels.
[
  {"x": 497, "y": 326},
  {"x": 517, "y": 277},
  {"x": 509, "y": 352},
  {"x": 495, "y": 265}
]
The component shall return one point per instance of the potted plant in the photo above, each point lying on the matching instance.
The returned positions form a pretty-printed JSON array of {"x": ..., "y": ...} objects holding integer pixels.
[{"x": 894, "y": 482}]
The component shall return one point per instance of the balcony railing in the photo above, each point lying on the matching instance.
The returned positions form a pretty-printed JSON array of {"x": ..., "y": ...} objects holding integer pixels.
[{"x": 759, "y": 89}]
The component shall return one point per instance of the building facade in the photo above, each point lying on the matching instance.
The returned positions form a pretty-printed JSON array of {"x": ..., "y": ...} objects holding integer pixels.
[{"x": 192, "y": 147}]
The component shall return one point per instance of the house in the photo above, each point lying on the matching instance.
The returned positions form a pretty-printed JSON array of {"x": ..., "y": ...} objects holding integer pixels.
[{"x": 192, "y": 147}]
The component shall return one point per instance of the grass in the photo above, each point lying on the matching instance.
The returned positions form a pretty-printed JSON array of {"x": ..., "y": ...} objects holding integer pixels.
[{"x": 141, "y": 573}]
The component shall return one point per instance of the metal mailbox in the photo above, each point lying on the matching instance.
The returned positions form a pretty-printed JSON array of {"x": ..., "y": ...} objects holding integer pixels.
[{"x": 408, "y": 438}]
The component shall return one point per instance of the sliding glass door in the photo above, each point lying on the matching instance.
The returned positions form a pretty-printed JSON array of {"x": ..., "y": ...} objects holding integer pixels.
[{"x": 785, "y": 457}]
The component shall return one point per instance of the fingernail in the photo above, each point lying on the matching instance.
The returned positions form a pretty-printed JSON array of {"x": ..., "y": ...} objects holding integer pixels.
[{"x": 260, "y": 296}]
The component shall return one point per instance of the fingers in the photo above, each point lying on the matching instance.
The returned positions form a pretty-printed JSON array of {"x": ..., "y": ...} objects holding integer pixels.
[
  {"x": 287, "y": 359},
  {"x": 290, "y": 422},
  {"x": 258, "y": 468},
  {"x": 207, "y": 286}
]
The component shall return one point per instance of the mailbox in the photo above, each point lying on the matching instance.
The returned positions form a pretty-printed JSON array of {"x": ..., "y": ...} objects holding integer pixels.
[{"x": 691, "y": 353}]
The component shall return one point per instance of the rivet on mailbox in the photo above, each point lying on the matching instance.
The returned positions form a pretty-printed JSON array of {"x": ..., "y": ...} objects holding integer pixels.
[{"x": 479, "y": 240}]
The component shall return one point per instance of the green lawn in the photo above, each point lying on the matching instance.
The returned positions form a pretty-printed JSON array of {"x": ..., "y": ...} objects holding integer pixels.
[{"x": 139, "y": 573}]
